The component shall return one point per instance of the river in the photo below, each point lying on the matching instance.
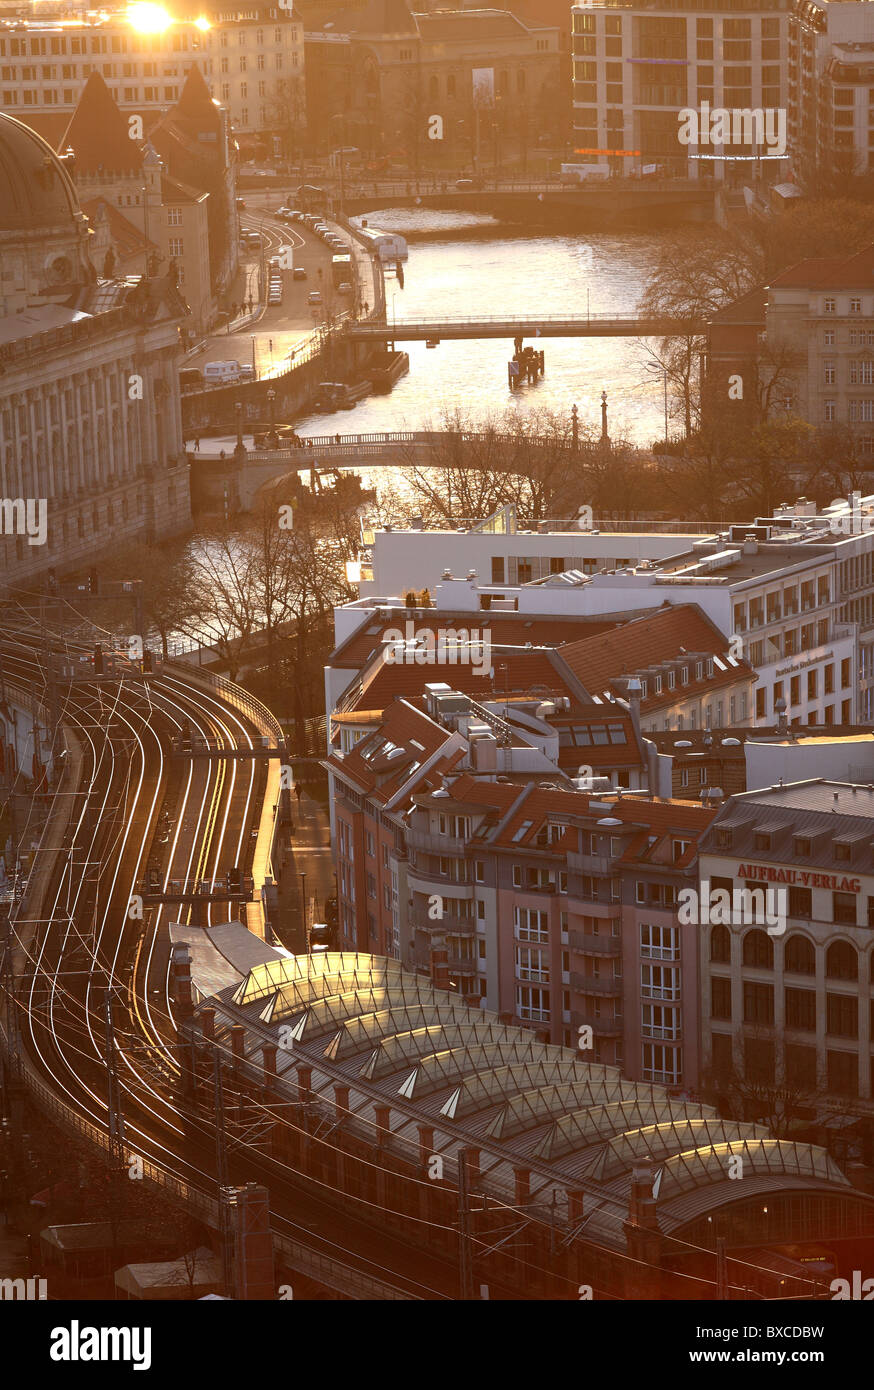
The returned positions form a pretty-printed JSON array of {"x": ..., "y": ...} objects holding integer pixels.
[{"x": 468, "y": 272}]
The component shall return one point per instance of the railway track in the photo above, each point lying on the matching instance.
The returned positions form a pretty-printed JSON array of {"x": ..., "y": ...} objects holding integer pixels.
[{"x": 136, "y": 804}]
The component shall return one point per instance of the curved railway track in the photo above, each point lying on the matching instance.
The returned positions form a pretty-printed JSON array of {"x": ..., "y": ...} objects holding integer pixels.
[{"x": 135, "y": 802}]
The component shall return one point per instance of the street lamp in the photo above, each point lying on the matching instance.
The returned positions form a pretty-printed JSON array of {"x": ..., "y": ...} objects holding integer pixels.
[
  {"x": 272, "y": 437},
  {"x": 240, "y": 449}
]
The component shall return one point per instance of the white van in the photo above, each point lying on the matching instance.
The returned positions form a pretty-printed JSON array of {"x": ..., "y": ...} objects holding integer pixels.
[{"x": 221, "y": 373}]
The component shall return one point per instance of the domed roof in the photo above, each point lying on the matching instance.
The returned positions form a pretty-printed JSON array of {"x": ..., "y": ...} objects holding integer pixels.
[{"x": 35, "y": 189}]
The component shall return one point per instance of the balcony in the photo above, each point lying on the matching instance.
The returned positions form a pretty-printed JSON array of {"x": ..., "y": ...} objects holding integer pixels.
[
  {"x": 602, "y": 1027},
  {"x": 450, "y": 924},
  {"x": 590, "y": 863},
  {"x": 655, "y": 1033},
  {"x": 595, "y": 945},
  {"x": 462, "y": 965},
  {"x": 608, "y": 987},
  {"x": 433, "y": 843}
]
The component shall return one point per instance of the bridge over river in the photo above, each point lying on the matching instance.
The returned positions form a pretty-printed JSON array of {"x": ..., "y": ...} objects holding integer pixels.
[
  {"x": 248, "y": 472},
  {"x": 505, "y": 326}
]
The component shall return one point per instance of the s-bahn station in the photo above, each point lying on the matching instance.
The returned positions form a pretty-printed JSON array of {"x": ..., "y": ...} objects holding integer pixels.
[{"x": 527, "y": 1165}]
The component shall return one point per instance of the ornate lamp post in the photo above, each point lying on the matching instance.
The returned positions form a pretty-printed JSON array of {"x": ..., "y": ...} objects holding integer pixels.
[{"x": 272, "y": 436}]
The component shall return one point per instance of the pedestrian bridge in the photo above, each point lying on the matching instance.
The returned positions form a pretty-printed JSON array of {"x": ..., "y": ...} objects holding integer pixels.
[
  {"x": 402, "y": 448},
  {"x": 545, "y": 326}
]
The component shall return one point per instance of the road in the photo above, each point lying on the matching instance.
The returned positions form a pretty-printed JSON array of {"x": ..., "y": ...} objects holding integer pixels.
[{"x": 268, "y": 341}]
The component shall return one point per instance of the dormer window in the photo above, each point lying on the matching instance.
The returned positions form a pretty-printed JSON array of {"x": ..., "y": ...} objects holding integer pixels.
[
  {"x": 678, "y": 849},
  {"x": 684, "y": 675},
  {"x": 672, "y": 680},
  {"x": 644, "y": 689},
  {"x": 699, "y": 670},
  {"x": 709, "y": 666},
  {"x": 658, "y": 685},
  {"x": 842, "y": 852},
  {"x": 723, "y": 837},
  {"x": 762, "y": 839},
  {"x": 802, "y": 846}
]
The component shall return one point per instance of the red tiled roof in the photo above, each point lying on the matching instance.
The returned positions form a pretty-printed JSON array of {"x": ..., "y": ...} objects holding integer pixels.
[
  {"x": 670, "y": 632},
  {"x": 529, "y": 673},
  {"x": 848, "y": 273},
  {"x": 515, "y": 629},
  {"x": 98, "y": 133},
  {"x": 400, "y": 726}
]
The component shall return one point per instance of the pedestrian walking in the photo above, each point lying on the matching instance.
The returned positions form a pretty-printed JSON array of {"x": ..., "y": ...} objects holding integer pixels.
[
  {"x": 297, "y": 791},
  {"x": 197, "y": 445}
]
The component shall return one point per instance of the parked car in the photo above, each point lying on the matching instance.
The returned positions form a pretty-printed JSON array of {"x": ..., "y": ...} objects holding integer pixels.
[
  {"x": 345, "y": 288},
  {"x": 221, "y": 373},
  {"x": 298, "y": 273},
  {"x": 314, "y": 297}
]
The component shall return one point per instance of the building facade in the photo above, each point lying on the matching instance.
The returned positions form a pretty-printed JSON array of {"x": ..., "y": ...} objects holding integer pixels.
[
  {"x": 790, "y": 1007},
  {"x": 90, "y": 416},
  {"x": 252, "y": 59}
]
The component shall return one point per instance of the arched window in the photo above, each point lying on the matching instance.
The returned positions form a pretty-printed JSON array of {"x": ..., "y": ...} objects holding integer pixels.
[
  {"x": 758, "y": 949},
  {"x": 799, "y": 956},
  {"x": 841, "y": 961},
  {"x": 720, "y": 944}
]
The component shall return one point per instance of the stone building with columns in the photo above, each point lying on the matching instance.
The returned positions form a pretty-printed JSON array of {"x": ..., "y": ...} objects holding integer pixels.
[
  {"x": 90, "y": 421},
  {"x": 786, "y": 1011}
]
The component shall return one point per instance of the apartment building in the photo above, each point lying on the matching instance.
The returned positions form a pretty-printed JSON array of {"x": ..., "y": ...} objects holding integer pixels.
[
  {"x": 792, "y": 1010},
  {"x": 573, "y": 924},
  {"x": 637, "y": 66},
  {"x": 252, "y": 59}
]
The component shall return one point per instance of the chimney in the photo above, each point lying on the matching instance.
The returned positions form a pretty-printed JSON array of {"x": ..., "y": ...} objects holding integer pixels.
[
  {"x": 473, "y": 1169},
  {"x": 642, "y": 1208},
  {"x": 207, "y": 1022},
  {"x": 268, "y": 1051},
  {"x": 523, "y": 1186},
  {"x": 382, "y": 1115},
  {"x": 304, "y": 1083},
  {"x": 341, "y": 1101},
  {"x": 238, "y": 1040},
  {"x": 575, "y": 1207},
  {"x": 426, "y": 1143}
]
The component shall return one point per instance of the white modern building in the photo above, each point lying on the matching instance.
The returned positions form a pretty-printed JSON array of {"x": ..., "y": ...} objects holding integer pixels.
[{"x": 793, "y": 592}]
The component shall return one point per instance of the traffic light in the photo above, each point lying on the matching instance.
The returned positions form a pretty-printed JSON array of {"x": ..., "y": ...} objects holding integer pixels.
[
  {"x": 98, "y": 660},
  {"x": 147, "y": 663},
  {"x": 93, "y": 580}
]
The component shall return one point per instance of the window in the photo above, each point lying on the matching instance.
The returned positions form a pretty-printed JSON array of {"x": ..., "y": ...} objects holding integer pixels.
[
  {"x": 828, "y": 306},
  {"x": 174, "y": 217},
  {"x": 800, "y": 902},
  {"x": 720, "y": 944},
  {"x": 175, "y": 247},
  {"x": 532, "y": 1004},
  {"x": 855, "y": 306},
  {"x": 828, "y": 372},
  {"x": 659, "y": 942},
  {"x": 532, "y": 964},
  {"x": 842, "y": 1015},
  {"x": 531, "y": 925},
  {"x": 758, "y": 1002},
  {"x": 660, "y": 981},
  {"x": 720, "y": 998}
]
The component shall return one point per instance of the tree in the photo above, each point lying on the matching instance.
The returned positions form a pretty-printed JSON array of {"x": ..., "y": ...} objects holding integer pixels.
[{"x": 286, "y": 113}]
